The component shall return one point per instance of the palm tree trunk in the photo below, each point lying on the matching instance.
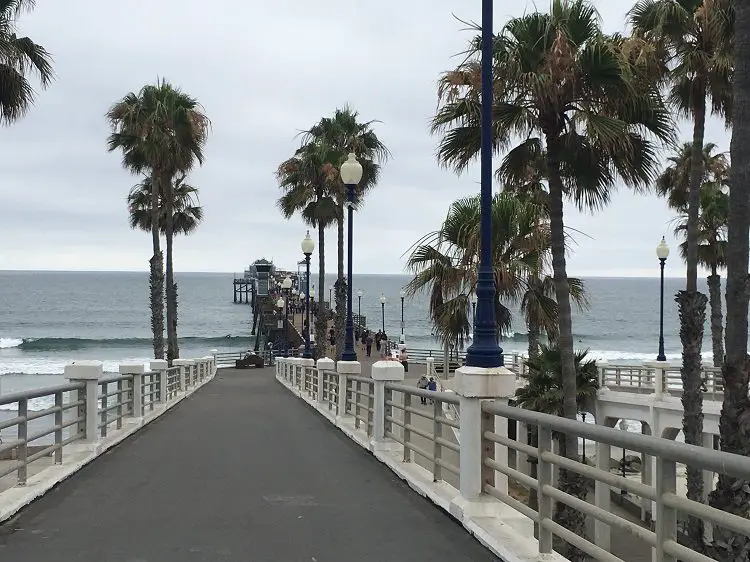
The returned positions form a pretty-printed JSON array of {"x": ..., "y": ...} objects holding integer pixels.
[
  {"x": 717, "y": 317},
  {"x": 321, "y": 322},
  {"x": 692, "y": 310},
  {"x": 340, "y": 289},
  {"x": 156, "y": 276},
  {"x": 570, "y": 482},
  {"x": 733, "y": 494},
  {"x": 533, "y": 337},
  {"x": 173, "y": 351}
]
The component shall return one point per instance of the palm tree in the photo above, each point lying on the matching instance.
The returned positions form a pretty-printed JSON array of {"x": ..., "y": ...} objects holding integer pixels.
[
  {"x": 305, "y": 181},
  {"x": 674, "y": 182},
  {"x": 19, "y": 56},
  {"x": 712, "y": 226},
  {"x": 444, "y": 262},
  {"x": 585, "y": 101},
  {"x": 187, "y": 213},
  {"x": 697, "y": 38},
  {"x": 733, "y": 494},
  {"x": 344, "y": 133},
  {"x": 163, "y": 131}
]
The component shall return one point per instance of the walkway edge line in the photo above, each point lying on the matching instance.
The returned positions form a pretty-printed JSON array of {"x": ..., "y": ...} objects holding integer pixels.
[
  {"x": 502, "y": 535},
  {"x": 76, "y": 457}
]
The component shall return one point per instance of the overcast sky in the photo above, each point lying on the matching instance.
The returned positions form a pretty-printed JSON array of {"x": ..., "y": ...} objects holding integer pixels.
[{"x": 263, "y": 71}]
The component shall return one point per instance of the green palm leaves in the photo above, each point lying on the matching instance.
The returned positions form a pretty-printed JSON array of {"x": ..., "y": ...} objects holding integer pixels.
[
  {"x": 19, "y": 57},
  {"x": 161, "y": 132}
]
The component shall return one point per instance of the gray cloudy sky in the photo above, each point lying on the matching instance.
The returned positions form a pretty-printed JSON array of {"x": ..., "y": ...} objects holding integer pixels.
[{"x": 263, "y": 71}]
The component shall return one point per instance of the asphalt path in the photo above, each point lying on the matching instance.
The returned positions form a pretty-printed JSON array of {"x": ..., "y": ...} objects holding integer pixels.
[{"x": 240, "y": 471}]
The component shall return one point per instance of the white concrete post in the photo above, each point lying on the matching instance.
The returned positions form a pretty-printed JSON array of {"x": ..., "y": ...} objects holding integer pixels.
[
  {"x": 160, "y": 366},
  {"x": 208, "y": 369},
  {"x": 659, "y": 368},
  {"x": 345, "y": 368},
  {"x": 473, "y": 386},
  {"x": 382, "y": 372},
  {"x": 323, "y": 364},
  {"x": 430, "y": 366},
  {"x": 602, "y": 491},
  {"x": 137, "y": 370},
  {"x": 214, "y": 367},
  {"x": 89, "y": 373},
  {"x": 601, "y": 365}
]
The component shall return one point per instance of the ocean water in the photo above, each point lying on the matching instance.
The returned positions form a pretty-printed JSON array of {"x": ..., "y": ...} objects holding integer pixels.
[{"x": 48, "y": 319}]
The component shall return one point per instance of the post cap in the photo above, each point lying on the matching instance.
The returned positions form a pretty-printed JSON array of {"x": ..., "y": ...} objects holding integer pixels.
[
  {"x": 478, "y": 382},
  {"x": 158, "y": 365},
  {"x": 387, "y": 371},
  {"x": 214, "y": 351},
  {"x": 84, "y": 370},
  {"x": 326, "y": 364},
  {"x": 132, "y": 368},
  {"x": 349, "y": 367},
  {"x": 183, "y": 362}
]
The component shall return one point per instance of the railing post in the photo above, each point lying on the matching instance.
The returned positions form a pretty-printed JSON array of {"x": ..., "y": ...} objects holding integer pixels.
[
  {"x": 214, "y": 366},
  {"x": 345, "y": 368},
  {"x": 23, "y": 449},
  {"x": 184, "y": 365},
  {"x": 159, "y": 366},
  {"x": 308, "y": 366},
  {"x": 473, "y": 386},
  {"x": 660, "y": 368},
  {"x": 544, "y": 478},
  {"x": 666, "y": 517},
  {"x": 323, "y": 364},
  {"x": 59, "y": 432},
  {"x": 602, "y": 496},
  {"x": 430, "y": 361},
  {"x": 382, "y": 372},
  {"x": 89, "y": 373}
]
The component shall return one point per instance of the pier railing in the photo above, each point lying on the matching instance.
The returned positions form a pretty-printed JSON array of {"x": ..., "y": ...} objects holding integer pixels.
[
  {"x": 472, "y": 475},
  {"x": 89, "y": 409}
]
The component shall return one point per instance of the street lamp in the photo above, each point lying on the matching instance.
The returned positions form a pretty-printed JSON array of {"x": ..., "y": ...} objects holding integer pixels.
[
  {"x": 286, "y": 289},
  {"x": 280, "y": 305},
  {"x": 307, "y": 248},
  {"x": 403, "y": 294},
  {"x": 662, "y": 252},
  {"x": 624, "y": 427},
  {"x": 351, "y": 175},
  {"x": 484, "y": 350},
  {"x": 383, "y": 300},
  {"x": 360, "y": 294}
]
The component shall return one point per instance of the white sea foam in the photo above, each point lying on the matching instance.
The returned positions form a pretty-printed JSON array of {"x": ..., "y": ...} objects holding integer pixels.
[{"x": 7, "y": 343}]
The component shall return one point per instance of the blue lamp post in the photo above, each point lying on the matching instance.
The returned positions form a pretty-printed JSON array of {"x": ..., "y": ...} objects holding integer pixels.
[
  {"x": 662, "y": 252},
  {"x": 484, "y": 350},
  {"x": 351, "y": 175},
  {"x": 307, "y": 248}
]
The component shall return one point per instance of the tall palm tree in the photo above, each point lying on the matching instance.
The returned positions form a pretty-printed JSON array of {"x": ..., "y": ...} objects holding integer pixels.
[
  {"x": 19, "y": 56},
  {"x": 160, "y": 130},
  {"x": 305, "y": 181},
  {"x": 674, "y": 182},
  {"x": 697, "y": 38},
  {"x": 583, "y": 98},
  {"x": 712, "y": 227},
  {"x": 344, "y": 133},
  {"x": 733, "y": 494}
]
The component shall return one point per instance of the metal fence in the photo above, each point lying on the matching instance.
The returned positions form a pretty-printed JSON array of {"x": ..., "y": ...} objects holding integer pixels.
[
  {"x": 421, "y": 422},
  {"x": 86, "y": 411}
]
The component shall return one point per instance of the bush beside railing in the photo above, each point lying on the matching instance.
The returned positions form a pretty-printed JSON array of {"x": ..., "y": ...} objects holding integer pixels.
[{"x": 381, "y": 417}]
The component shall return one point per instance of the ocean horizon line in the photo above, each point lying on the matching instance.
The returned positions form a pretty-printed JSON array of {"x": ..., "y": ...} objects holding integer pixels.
[{"x": 312, "y": 274}]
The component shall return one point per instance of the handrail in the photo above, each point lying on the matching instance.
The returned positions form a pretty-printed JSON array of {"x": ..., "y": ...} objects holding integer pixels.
[
  {"x": 716, "y": 461},
  {"x": 13, "y": 397}
]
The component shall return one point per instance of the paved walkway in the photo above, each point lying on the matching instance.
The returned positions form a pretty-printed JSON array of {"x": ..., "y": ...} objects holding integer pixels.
[{"x": 240, "y": 471}]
